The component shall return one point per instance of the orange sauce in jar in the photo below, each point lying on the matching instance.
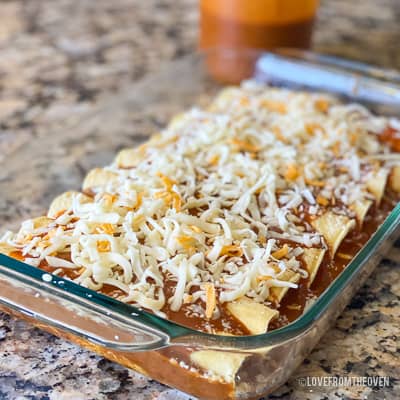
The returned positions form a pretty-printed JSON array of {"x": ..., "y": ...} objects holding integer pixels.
[{"x": 257, "y": 24}]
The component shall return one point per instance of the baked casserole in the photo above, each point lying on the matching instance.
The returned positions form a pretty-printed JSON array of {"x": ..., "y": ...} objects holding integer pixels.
[{"x": 230, "y": 221}]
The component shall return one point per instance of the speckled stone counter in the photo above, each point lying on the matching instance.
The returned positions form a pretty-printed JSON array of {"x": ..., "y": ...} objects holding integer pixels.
[{"x": 60, "y": 58}]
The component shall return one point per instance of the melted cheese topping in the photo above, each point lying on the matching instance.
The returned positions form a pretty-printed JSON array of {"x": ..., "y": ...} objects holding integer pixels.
[{"x": 220, "y": 203}]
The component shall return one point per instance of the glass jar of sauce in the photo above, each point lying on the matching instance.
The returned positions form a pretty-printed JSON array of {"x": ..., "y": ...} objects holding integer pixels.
[
  {"x": 264, "y": 24},
  {"x": 258, "y": 24}
]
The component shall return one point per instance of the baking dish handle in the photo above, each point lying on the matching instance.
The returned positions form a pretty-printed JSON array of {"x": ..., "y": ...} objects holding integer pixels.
[
  {"x": 332, "y": 74},
  {"x": 50, "y": 303}
]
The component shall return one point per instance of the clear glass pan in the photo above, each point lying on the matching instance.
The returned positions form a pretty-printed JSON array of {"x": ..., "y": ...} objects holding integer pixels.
[{"x": 57, "y": 162}]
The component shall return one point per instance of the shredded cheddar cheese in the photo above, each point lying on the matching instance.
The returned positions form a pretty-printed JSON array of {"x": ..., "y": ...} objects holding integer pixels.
[
  {"x": 103, "y": 246},
  {"x": 139, "y": 200},
  {"x": 264, "y": 278},
  {"x": 104, "y": 228},
  {"x": 278, "y": 134},
  {"x": 336, "y": 149},
  {"x": 211, "y": 299},
  {"x": 242, "y": 145},
  {"x": 187, "y": 242},
  {"x": 275, "y": 106},
  {"x": 232, "y": 251},
  {"x": 321, "y": 200},
  {"x": 291, "y": 173},
  {"x": 322, "y": 105},
  {"x": 167, "y": 182},
  {"x": 109, "y": 199},
  {"x": 214, "y": 160},
  {"x": 312, "y": 128},
  {"x": 344, "y": 256},
  {"x": 282, "y": 252},
  {"x": 314, "y": 182}
]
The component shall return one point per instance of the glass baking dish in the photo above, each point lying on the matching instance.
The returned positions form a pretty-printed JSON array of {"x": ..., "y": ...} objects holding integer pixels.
[{"x": 52, "y": 163}]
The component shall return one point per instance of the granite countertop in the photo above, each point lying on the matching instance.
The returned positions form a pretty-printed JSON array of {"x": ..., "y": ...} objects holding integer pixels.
[{"x": 60, "y": 58}]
